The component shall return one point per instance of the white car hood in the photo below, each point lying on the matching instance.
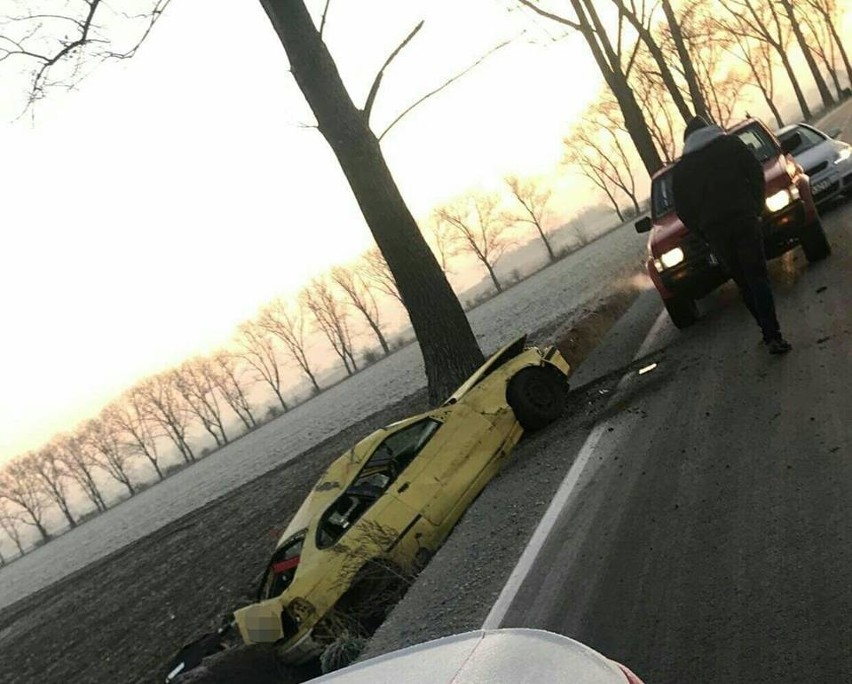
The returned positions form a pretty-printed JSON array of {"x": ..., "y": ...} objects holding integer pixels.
[
  {"x": 824, "y": 152},
  {"x": 504, "y": 656}
]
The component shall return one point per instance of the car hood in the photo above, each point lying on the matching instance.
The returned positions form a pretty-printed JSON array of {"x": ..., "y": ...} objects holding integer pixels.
[
  {"x": 504, "y": 656},
  {"x": 824, "y": 152}
]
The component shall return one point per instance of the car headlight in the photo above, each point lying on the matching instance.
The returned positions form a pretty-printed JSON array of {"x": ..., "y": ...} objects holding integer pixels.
[
  {"x": 671, "y": 258},
  {"x": 779, "y": 200},
  {"x": 843, "y": 155}
]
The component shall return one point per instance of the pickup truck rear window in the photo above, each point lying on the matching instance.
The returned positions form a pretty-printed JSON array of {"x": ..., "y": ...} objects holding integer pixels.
[{"x": 756, "y": 139}]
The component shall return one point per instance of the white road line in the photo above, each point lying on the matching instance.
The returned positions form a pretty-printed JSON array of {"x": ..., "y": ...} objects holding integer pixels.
[
  {"x": 557, "y": 505},
  {"x": 528, "y": 557},
  {"x": 651, "y": 338}
]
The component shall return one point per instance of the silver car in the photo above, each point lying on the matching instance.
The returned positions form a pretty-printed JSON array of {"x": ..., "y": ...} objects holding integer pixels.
[{"x": 827, "y": 161}]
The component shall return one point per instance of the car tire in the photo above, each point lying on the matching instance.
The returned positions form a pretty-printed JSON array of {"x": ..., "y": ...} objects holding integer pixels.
[
  {"x": 682, "y": 311},
  {"x": 537, "y": 396},
  {"x": 814, "y": 242}
]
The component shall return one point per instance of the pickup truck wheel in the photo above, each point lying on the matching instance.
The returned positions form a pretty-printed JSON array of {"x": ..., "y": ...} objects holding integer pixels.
[
  {"x": 537, "y": 396},
  {"x": 814, "y": 242},
  {"x": 682, "y": 311}
]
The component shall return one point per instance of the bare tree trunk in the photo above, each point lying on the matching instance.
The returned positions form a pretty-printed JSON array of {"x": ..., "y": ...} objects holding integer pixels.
[
  {"x": 660, "y": 59},
  {"x": 450, "y": 351},
  {"x": 824, "y": 93},
  {"x": 689, "y": 74},
  {"x": 634, "y": 120}
]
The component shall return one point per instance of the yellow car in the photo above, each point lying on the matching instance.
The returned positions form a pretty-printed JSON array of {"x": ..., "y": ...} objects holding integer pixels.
[{"x": 387, "y": 504}]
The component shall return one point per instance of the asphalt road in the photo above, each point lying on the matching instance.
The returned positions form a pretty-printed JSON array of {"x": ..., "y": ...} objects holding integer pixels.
[{"x": 708, "y": 536}]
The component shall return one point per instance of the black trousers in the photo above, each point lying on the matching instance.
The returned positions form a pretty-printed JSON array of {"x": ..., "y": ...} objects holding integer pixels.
[{"x": 739, "y": 247}]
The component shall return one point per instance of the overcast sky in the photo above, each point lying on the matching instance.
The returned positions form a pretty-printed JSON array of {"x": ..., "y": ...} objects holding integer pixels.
[{"x": 149, "y": 212}]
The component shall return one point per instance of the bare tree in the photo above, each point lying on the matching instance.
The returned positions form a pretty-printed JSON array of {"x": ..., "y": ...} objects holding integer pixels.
[
  {"x": 110, "y": 454},
  {"x": 163, "y": 404},
  {"x": 192, "y": 379},
  {"x": 821, "y": 42},
  {"x": 80, "y": 464},
  {"x": 615, "y": 61},
  {"x": 758, "y": 56},
  {"x": 830, "y": 13},
  {"x": 685, "y": 63},
  {"x": 761, "y": 20},
  {"x": 596, "y": 147},
  {"x": 332, "y": 319},
  {"x": 20, "y": 486},
  {"x": 287, "y": 322},
  {"x": 377, "y": 272},
  {"x": 478, "y": 226},
  {"x": 441, "y": 239},
  {"x": 533, "y": 200},
  {"x": 48, "y": 467},
  {"x": 256, "y": 348},
  {"x": 9, "y": 523},
  {"x": 129, "y": 416},
  {"x": 824, "y": 92},
  {"x": 353, "y": 284},
  {"x": 57, "y": 45},
  {"x": 658, "y": 110},
  {"x": 228, "y": 376},
  {"x": 450, "y": 351},
  {"x": 641, "y": 16}
]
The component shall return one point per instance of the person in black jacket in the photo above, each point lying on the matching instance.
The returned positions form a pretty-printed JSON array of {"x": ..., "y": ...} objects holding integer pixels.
[{"x": 719, "y": 191}]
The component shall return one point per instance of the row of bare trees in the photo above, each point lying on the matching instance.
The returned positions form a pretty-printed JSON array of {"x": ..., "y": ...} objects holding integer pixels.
[{"x": 210, "y": 397}]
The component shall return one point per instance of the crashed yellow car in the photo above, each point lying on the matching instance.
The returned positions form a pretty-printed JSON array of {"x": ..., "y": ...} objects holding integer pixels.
[{"x": 387, "y": 504}]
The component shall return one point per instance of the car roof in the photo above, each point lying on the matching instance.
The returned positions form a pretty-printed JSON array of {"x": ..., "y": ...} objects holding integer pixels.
[{"x": 502, "y": 656}]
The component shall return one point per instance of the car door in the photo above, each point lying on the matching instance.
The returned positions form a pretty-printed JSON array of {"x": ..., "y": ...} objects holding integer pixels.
[{"x": 451, "y": 463}]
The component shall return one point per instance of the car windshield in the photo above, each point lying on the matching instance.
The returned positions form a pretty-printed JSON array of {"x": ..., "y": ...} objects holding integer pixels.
[
  {"x": 808, "y": 138},
  {"x": 756, "y": 139},
  {"x": 282, "y": 568},
  {"x": 390, "y": 458}
]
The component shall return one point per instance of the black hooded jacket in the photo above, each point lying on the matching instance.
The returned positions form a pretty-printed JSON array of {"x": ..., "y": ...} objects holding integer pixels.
[{"x": 717, "y": 184}]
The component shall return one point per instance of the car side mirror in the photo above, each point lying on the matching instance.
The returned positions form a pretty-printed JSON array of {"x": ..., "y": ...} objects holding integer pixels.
[
  {"x": 791, "y": 143},
  {"x": 643, "y": 225},
  {"x": 834, "y": 132}
]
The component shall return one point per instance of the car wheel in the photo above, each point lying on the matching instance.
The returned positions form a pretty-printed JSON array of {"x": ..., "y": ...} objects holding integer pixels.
[
  {"x": 537, "y": 396},
  {"x": 682, "y": 311},
  {"x": 814, "y": 242}
]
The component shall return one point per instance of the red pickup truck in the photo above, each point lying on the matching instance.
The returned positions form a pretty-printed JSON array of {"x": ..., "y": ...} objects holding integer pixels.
[{"x": 681, "y": 264}]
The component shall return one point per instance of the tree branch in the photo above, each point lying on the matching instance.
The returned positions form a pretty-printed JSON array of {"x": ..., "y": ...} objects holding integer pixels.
[
  {"x": 555, "y": 17},
  {"x": 442, "y": 86},
  {"x": 324, "y": 15},
  {"x": 368, "y": 106}
]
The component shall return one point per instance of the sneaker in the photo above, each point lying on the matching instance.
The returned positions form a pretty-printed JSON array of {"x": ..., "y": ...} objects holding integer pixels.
[{"x": 779, "y": 346}]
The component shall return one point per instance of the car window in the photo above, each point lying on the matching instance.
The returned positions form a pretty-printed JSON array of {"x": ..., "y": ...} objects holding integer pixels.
[
  {"x": 389, "y": 459},
  {"x": 759, "y": 142},
  {"x": 809, "y": 138},
  {"x": 282, "y": 568},
  {"x": 662, "y": 198}
]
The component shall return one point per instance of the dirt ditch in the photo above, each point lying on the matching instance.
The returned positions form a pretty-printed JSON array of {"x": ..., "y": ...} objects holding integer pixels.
[{"x": 119, "y": 619}]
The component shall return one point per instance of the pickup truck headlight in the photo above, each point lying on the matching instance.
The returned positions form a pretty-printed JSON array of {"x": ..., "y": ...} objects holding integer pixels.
[
  {"x": 781, "y": 199},
  {"x": 843, "y": 155},
  {"x": 671, "y": 258}
]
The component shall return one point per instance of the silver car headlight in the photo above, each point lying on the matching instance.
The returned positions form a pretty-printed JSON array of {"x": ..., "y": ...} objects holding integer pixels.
[
  {"x": 668, "y": 259},
  {"x": 782, "y": 198},
  {"x": 843, "y": 155}
]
